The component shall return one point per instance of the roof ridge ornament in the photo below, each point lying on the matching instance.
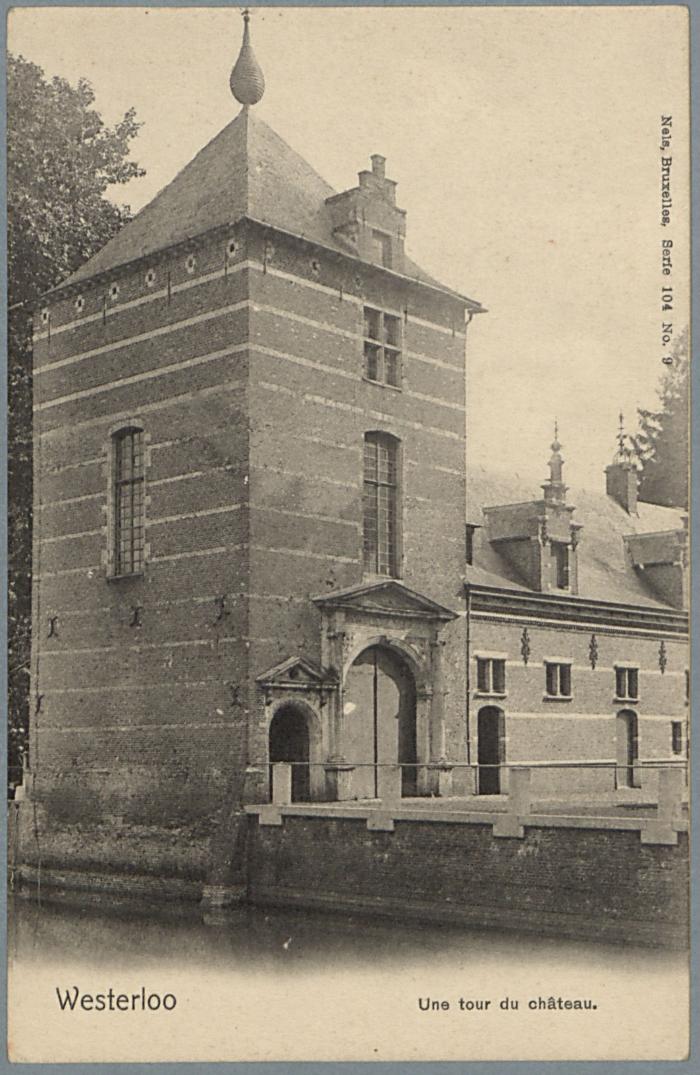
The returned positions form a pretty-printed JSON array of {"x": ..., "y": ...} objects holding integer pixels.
[
  {"x": 247, "y": 81},
  {"x": 554, "y": 488},
  {"x": 624, "y": 451}
]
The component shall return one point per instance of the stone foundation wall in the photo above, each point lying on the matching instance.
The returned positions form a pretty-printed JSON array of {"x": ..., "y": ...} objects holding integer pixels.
[{"x": 589, "y": 883}]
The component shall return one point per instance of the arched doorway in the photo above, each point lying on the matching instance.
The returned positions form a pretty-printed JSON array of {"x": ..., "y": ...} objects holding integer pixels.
[
  {"x": 379, "y": 721},
  {"x": 289, "y": 741},
  {"x": 627, "y": 749},
  {"x": 491, "y": 753}
]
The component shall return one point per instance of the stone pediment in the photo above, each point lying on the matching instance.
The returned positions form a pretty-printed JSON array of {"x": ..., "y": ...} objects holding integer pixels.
[
  {"x": 296, "y": 673},
  {"x": 384, "y": 598}
]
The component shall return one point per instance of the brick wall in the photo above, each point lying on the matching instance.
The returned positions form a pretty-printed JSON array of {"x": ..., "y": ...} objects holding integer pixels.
[
  {"x": 602, "y": 885},
  {"x": 584, "y": 727},
  {"x": 141, "y": 725},
  {"x": 245, "y": 371},
  {"x": 310, "y": 406}
]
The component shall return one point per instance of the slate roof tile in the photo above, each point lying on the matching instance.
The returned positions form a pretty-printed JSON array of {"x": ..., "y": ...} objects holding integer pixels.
[
  {"x": 605, "y": 574},
  {"x": 246, "y": 170}
]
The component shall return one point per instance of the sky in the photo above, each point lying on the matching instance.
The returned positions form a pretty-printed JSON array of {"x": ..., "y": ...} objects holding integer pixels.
[{"x": 526, "y": 147}]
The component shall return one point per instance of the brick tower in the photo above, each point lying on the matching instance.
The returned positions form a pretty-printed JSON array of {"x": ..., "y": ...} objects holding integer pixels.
[{"x": 250, "y": 471}]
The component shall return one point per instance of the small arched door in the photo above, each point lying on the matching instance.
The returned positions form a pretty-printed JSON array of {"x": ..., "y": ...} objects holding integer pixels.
[
  {"x": 289, "y": 741},
  {"x": 627, "y": 749},
  {"x": 491, "y": 750}
]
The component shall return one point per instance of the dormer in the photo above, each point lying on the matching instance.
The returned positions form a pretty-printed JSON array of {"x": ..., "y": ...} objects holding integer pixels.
[
  {"x": 366, "y": 217},
  {"x": 538, "y": 538},
  {"x": 661, "y": 558}
]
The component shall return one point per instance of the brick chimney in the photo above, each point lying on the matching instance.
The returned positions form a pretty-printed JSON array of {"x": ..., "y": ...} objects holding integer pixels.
[
  {"x": 367, "y": 218},
  {"x": 621, "y": 480}
]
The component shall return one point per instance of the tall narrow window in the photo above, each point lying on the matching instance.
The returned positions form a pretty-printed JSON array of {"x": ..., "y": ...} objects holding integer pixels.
[
  {"x": 469, "y": 543},
  {"x": 381, "y": 505},
  {"x": 626, "y": 683},
  {"x": 128, "y": 502},
  {"x": 491, "y": 675},
  {"x": 557, "y": 679},
  {"x": 676, "y": 737},
  {"x": 560, "y": 554},
  {"x": 381, "y": 244},
  {"x": 382, "y": 347}
]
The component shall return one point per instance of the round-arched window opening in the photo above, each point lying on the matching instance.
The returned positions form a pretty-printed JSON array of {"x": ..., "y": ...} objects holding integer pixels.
[{"x": 289, "y": 741}]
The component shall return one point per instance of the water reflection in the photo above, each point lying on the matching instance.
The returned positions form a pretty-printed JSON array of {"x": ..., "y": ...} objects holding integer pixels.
[{"x": 125, "y": 933}]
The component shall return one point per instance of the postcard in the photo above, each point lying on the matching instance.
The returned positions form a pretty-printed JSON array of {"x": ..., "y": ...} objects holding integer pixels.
[{"x": 349, "y": 533}]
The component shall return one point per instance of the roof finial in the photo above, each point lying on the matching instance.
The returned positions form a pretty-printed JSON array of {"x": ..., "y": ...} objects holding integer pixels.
[
  {"x": 247, "y": 80},
  {"x": 554, "y": 488},
  {"x": 623, "y": 455}
]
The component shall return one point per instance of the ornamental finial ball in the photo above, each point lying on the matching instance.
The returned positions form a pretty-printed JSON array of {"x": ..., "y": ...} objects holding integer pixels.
[{"x": 247, "y": 81}]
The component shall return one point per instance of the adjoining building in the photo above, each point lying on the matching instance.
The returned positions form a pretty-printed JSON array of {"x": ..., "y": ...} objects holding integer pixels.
[
  {"x": 578, "y": 634},
  {"x": 250, "y": 538}
]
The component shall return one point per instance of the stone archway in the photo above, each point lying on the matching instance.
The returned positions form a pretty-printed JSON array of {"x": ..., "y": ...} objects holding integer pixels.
[
  {"x": 627, "y": 749},
  {"x": 294, "y": 737},
  {"x": 490, "y": 750},
  {"x": 378, "y": 726}
]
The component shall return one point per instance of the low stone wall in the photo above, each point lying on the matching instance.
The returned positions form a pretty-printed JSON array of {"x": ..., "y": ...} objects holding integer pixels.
[
  {"x": 613, "y": 879},
  {"x": 584, "y": 882}
]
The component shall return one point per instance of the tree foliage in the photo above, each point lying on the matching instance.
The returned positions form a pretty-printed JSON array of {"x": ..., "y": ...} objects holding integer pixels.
[
  {"x": 61, "y": 161},
  {"x": 662, "y": 444}
]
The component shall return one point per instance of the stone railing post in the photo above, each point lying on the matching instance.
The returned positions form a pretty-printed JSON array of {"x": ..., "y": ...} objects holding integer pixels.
[
  {"x": 670, "y": 794},
  {"x": 339, "y": 780},
  {"x": 661, "y": 830},
  {"x": 389, "y": 783},
  {"x": 508, "y": 824},
  {"x": 281, "y": 783}
]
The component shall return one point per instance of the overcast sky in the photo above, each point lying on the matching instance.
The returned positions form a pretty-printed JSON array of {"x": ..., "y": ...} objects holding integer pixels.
[{"x": 525, "y": 143}]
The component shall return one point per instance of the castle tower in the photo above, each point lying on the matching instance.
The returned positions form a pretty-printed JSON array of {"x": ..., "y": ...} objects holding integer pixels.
[{"x": 250, "y": 419}]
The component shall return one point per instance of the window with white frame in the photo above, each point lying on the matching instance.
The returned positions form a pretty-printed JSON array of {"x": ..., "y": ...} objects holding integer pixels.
[
  {"x": 129, "y": 500},
  {"x": 382, "y": 347},
  {"x": 381, "y": 499},
  {"x": 491, "y": 675},
  {"x": 557, "y": 679},
  {"x": 626, "y": 683}
]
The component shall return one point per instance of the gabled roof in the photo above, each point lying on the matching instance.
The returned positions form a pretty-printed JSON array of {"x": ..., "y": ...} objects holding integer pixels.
[
  {"x": 245, "y": 171},
  {"x": 385, "y": 597},
  {"x": 605, "y": 572}
]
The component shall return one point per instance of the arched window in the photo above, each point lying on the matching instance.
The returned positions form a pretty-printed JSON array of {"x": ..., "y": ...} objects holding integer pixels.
[
  {"x": 381, "y": 498},
  {"x": 128, "y": 471}
]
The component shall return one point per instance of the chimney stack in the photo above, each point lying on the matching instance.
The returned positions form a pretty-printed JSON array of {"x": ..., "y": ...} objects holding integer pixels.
[
  {"x": 621, "y": 480},
  {"x": 378, "y": 165}
]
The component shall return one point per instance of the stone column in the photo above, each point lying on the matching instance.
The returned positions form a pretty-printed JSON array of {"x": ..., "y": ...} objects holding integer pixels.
[{"x": 424, "y": 699}]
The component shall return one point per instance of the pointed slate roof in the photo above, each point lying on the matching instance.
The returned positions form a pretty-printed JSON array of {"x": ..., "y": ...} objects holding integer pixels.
[{"x": 245, "y": 171}]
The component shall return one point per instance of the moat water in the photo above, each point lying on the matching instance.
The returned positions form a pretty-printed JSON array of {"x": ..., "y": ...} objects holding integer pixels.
[{"x": 274, "y": 984}]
